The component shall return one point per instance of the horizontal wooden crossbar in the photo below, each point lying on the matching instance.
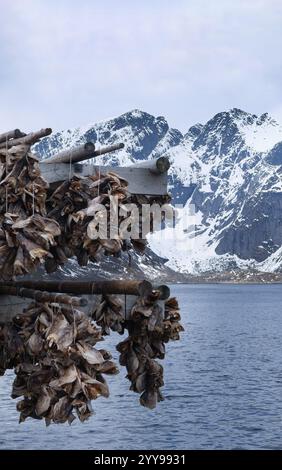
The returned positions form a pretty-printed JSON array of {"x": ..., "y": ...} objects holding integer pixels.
[{"x": 141, "y": 180}]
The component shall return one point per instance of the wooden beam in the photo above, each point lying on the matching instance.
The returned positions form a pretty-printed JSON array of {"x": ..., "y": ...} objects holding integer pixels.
[
  {"x": 14, "y": 134},
  {"x": 28, "y": 139},
  {"x": 86, "y": 287},
  {"x": 157, "y": 166},
  {"x": 141, "y": 180},
  {"x": 73, "y": 155},
  {"x": 12, "y": 306},
  {"x": 82, "y": 153},
  {"x": 41, "y": 296},
  {"x": 118, "y": 287}
]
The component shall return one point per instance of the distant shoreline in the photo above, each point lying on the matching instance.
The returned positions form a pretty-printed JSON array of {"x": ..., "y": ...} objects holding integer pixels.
[
  {"x": 238, "y": 278},
  {"x": 237, "y": 283}
]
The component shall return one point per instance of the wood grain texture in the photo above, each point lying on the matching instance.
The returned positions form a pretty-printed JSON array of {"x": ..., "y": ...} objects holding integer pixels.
[{"x": 140, "y": 180}]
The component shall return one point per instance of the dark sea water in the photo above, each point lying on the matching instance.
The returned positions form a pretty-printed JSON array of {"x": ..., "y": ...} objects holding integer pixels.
[{"x": 223, "y": 384}]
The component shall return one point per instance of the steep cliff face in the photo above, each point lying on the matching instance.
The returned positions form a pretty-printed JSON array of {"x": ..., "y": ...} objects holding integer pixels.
[
  {"x": 234, "y": 177},
  {"x": 230, "y": 169}
]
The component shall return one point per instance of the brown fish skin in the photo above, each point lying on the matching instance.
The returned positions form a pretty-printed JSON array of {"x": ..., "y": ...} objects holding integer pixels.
[
  {"x": 93, "y": 388},
  {"x": 11, "y": 347},
  {"x": 35, "y": 344},
  {"x": 67, "y": 376},
  {"x": 109, "y": 314},
  {"x": 19, "y": 388},
  {"x": 149, "y": 399},
  {"x": 108, "y": 367},
  {"x": 91, "y": 355},
  {"x": 61, "y": 410},
  {"x": 140, "y": 384},
  {"x": 44, "y": 401},
  {"x": 27, "y": 409},
  {"x": 83, "y": 409},
  {"x": 60, "y": 333}
]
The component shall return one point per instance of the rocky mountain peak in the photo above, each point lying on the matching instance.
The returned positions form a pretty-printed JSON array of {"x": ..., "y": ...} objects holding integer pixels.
[{"x": 194, "y": 131}]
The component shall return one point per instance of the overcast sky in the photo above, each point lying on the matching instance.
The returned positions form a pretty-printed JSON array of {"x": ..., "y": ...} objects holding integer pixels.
[{"x": 64, "y": 63}]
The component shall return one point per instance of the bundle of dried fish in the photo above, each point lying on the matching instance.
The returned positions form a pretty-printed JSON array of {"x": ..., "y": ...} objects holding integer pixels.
[
  {"x": 109, "y": 314},
  {"x": 25, "y": 243},
  {"x": 59, "y": 370},
  {"x": 150, "y": 324},
  {"x": 22, "y": 188},
  {"x": 11, "y": 347},
  {"x": 80, "y": 205},
  {"x": 144, "y": 373},
  {"x": 26, "y": 235}
]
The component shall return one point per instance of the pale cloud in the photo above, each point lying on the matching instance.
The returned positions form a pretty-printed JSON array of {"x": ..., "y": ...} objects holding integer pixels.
[{"x": 65, "y": 63}]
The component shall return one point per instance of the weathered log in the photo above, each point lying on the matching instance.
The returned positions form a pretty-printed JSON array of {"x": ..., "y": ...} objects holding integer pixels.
[
  {"x": 157, "y": 166},
  {"x": 42, "y": 296},
  {"x": 108, "y": 149},
  {"x": 70, "y": 155},
  {"x": 14, "y": 134},
  {"x": 126, "y": 287},
  {"x": 73, "y": 155},
  {"x": 29, "y": 139},
  {"x": 87, "y": 287}
]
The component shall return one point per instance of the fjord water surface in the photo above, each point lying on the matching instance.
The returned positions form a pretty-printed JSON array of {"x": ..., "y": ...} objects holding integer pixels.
[{"x": 223, "y": 384}]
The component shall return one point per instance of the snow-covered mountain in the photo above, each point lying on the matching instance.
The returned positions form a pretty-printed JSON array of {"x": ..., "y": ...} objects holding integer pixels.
[{"x": 230, "y": 169}]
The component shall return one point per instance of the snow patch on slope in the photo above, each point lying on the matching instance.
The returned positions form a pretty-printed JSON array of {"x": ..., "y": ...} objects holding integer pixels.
[{"x": 261, "y": 134}]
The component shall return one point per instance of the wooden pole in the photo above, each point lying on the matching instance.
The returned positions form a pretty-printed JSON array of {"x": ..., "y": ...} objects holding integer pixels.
[
  {"x": 69, "y": 155},
  {"x": 157, "y": 166},
  {"x": 118, "y": 287},
  {"x": 73, "y": 155},
  {"x": 28, "y": 139},
  {"x": 14, "y": 134},
  {"x": 85, "y": 287},
  {"x": 42, "y": 296}
]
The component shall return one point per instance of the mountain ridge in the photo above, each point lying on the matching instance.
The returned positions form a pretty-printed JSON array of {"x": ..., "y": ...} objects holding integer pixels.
[{"x": 229, "y": 168}]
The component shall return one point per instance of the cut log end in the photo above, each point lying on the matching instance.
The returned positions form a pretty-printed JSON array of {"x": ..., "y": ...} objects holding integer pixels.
[
  {"x": 14, "y": 134},
  {"x": 89, "y": 146},
  {"x": 18, "y": 134},
  {"x": 164, "y": 291},
  {"x": 163, "y": 164}
]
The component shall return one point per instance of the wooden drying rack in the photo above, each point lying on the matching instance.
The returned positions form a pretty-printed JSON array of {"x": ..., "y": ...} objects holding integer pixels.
[{"x": 148, "y": 178}]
